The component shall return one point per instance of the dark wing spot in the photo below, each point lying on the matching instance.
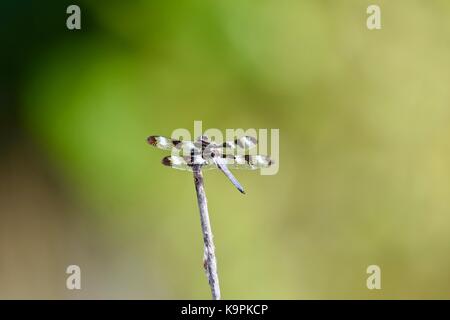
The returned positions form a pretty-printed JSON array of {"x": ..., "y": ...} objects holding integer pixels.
[
  {"x": 167, "y": 161},
  {"x": 205, "y": 144},
  {"x": 152, "y": 140},
  {"x": 247, "y": 158},
  {"x": 176, "y": 142}
]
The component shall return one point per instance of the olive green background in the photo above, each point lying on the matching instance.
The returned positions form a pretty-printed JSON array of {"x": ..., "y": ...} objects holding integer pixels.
[{"x": 364, "y": 121}]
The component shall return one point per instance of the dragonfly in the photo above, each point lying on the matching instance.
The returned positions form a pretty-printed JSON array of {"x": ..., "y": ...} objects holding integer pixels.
[{"x": 205, "y": 154}]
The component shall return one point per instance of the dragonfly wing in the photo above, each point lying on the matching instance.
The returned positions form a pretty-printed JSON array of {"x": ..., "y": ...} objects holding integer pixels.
[
  {"x": 177, "y": 162},
  {"x": 248, "y": 162},
  {"x": 166, "y": 143},
  {"x": 187, "y": 162},
  {"x": 162, "y": 142},
  {"x": 245, "y": 142}
]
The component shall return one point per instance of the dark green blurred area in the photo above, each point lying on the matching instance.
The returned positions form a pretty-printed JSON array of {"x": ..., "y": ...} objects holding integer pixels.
[{"x": 364, "y": 123}]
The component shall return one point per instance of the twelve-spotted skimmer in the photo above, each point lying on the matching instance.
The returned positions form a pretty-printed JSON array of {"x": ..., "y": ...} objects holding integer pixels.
[{"x": 209, "y": 155}]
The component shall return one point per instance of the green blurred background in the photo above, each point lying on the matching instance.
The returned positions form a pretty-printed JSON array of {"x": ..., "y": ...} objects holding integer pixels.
[{"x": 364, "y": 167}]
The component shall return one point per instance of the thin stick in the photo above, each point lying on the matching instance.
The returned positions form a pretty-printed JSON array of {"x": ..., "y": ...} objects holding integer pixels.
[{"x": 210, "y": 263}]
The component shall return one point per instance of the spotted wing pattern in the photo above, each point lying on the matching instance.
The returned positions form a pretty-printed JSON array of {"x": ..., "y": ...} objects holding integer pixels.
[
  {"x": 245, "y": 162},
  {"x": 248, "y": 162},
  {"x": 245, "y": 142},
  {"x": 187, "y": 162},
  {"x": 210, "y": 155},
  {"x": 166, "y": 143}
]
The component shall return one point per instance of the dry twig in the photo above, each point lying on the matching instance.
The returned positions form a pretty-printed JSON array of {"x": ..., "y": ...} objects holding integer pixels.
[{"x": 209, "y": 262}]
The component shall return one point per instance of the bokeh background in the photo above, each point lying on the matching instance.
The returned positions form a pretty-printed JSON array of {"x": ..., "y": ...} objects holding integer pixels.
[{"x": 364, "y": 121}]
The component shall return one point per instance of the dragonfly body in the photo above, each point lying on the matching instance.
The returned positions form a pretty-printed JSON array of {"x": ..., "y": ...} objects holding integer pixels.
[{"x": 209, "y": 155}]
